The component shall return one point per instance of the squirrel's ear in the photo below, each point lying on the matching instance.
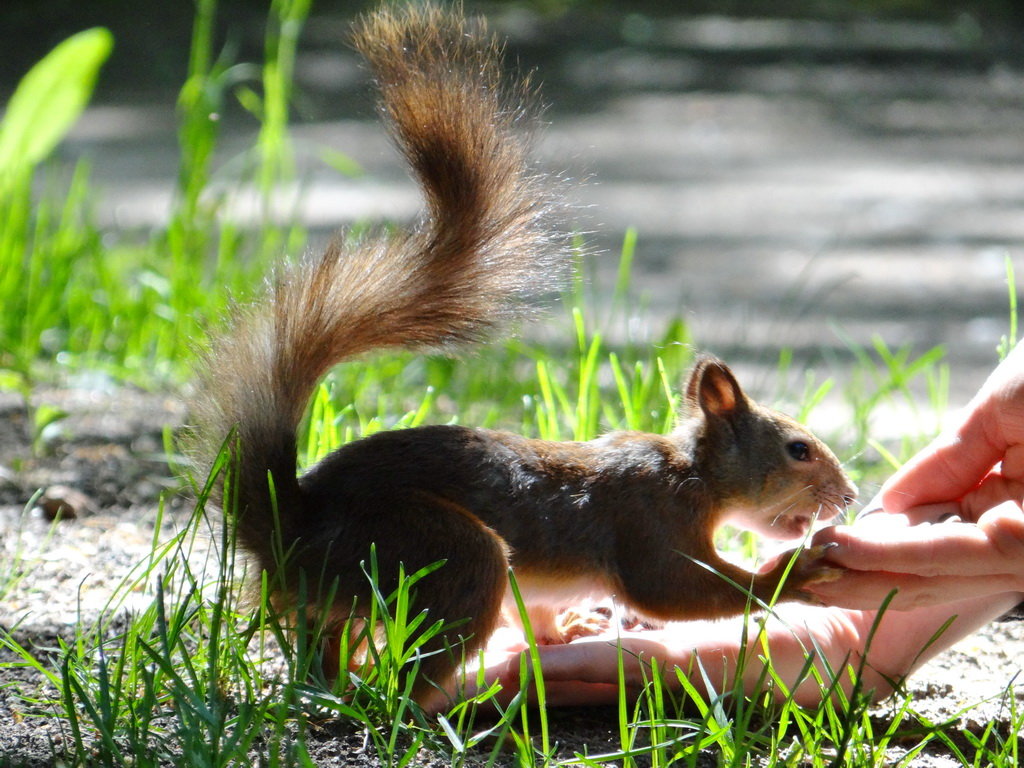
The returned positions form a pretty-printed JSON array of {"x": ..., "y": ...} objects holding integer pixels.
[{"x": 713, "y": 388}]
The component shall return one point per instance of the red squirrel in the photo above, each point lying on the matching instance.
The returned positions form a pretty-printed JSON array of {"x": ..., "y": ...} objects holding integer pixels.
[{"x": 629, "y": 514}]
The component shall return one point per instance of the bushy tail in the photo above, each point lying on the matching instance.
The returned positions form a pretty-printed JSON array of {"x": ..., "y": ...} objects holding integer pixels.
[{"x": 485, "y": 246}]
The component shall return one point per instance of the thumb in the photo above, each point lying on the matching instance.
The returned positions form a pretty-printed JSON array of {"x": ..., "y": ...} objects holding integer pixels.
[
  {"x": 954, "y": 464},
  {"x": 959, "y": 459}
]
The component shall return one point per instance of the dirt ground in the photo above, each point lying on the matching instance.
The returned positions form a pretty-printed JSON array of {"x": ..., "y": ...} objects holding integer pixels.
[
  {"x": 108, "y": 453},
  {"x": 793, "y": 185}
]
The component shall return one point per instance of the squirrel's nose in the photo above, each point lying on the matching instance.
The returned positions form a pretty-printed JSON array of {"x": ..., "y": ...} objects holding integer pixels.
[{"x": 850, "y": 494}]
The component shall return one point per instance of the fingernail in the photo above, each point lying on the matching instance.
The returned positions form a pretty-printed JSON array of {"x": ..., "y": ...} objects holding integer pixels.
[{"x": 870, "y": 509}]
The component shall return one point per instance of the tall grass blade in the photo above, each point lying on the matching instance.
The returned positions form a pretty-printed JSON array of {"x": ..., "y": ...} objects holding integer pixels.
[{"x": 48, "y": 101}]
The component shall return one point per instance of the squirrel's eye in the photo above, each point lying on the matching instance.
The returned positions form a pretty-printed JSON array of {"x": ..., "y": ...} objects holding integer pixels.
[{"x": 799, "y": 450}]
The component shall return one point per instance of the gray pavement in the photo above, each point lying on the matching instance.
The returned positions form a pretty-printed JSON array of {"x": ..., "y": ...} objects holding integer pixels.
[{"x": 793, "y": 184}]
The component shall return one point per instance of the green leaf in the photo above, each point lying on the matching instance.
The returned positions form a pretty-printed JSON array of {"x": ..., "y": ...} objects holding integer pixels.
[
  {"x": 250, "y": 101},
  {"x": 340, "y": 162},
  {"x": 46, "y": 415},
  {"x": 12, "y": 381},
  {"x": 49, "y": 99}
]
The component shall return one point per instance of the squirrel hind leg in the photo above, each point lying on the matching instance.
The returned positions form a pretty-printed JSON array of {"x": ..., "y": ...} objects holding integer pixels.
[{"x": 465, "y": 593}]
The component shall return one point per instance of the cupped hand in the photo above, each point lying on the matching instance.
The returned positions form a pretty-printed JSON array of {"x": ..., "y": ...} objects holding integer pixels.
[
  {"x": 585, "y": 671},
  {"x": 966, "y": 555},
  {"x": 955, "y": 529},
  {"x": 588, "y": 671}
]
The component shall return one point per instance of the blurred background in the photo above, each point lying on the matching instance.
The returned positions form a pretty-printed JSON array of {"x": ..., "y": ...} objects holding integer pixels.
[
  {"x": 827, "y": 178},
  {"x": 152, "y": 37}
]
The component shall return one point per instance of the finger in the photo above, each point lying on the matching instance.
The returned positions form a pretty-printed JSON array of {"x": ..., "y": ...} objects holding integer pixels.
[
  {"x": 1004, "y": 527},
  {"x": 880, "y": 518},
  {"x": 950, "y": 467},
  {"x": 996, "y": 489},
  {"x": 1013, "y": 462},
  {"x": 959, "y": 459},
  {"x": 868, "y": 590},
  {"x": 875, "y": 514},
  {"x": 597, "y": 661},
  {"x": 924, "y": 550},
  {"x": 558, "y": 692},
  {"x": 928, "y": 513},
  {"x": 574, "y": 693}
]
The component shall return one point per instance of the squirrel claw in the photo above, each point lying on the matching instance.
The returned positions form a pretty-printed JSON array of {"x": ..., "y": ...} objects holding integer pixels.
[
  {"x": 809, "y": 568},
  {"x": 819, "y": 551}
]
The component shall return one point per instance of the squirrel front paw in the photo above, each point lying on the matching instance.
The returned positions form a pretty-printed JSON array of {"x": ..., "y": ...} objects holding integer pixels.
[{"x": 809, "y": 566}]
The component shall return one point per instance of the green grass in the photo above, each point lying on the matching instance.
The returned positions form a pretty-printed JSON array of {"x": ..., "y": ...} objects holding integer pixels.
[{"x": 198, "y": 676}]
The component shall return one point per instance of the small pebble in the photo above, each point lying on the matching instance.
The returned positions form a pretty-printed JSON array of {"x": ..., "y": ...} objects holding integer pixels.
[{"x": 65, "y": 503}]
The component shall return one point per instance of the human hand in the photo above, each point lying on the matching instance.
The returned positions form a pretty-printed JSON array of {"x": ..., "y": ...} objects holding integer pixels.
[
  {"x": 972, "y": 478},
  {"x": 929, "y": 556},
  {"x": 587, "y": 671},
  {"x": 583, "y": 672},
  {"x": 961, "y": 462}
]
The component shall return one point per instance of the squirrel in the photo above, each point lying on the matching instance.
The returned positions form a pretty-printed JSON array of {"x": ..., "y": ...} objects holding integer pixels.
[{"x": 629, "y": 514}]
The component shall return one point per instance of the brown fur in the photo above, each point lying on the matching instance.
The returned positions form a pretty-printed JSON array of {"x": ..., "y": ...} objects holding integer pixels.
[{"x": 629, "y": 514}]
